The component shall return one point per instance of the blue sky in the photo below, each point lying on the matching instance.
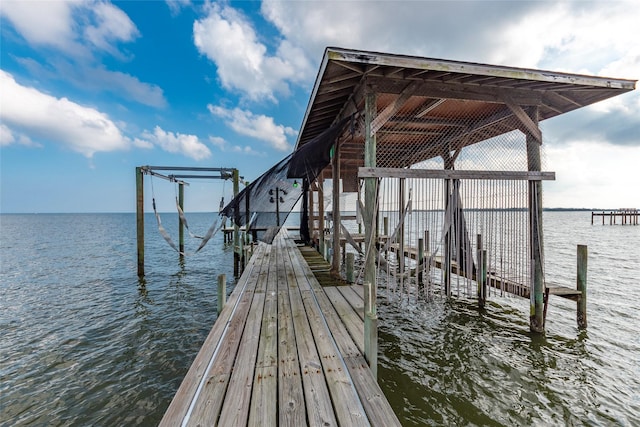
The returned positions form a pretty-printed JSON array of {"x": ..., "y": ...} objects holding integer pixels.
[{"x": 91, "y": 89}]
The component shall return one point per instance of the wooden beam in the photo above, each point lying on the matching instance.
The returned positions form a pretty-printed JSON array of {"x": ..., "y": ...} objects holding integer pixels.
[
  {"x": 394, "y": 107},
  {"x": 374, "y": 172},
  {"x": 524, "y": 118}
]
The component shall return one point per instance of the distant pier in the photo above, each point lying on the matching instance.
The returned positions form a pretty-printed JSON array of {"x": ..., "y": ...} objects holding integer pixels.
[{"x": 622, "y": 216}]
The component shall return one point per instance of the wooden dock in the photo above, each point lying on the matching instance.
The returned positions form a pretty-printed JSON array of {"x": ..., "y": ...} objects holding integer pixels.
[
  {"x": 284, "y": 351},
  {"x": 627, "y": 216}
]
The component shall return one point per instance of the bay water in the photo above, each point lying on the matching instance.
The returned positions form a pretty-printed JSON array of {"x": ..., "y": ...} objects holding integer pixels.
[{"x": 84, "y": 342}]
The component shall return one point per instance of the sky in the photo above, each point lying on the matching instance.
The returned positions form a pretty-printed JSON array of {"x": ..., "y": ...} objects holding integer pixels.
[{"x": 91, "y": 89}]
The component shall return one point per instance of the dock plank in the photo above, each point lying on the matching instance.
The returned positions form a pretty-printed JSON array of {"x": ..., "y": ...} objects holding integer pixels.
[
  {"x": 264, "y": 404},
  {"x": 291, "y": 411},
  {"x": 208, "y": 404},
  {"x": 285, "y": 353},
  {"x": 238, "y": 395},
  {"x": 350, "y": 318},
  {"x": 355, "y": 299},
  {"x": 348, "y": 408},
  {"x": 177, "y": 410},
  {"x": 375, "y": 405},
  {"x": 316, "y": 394}
]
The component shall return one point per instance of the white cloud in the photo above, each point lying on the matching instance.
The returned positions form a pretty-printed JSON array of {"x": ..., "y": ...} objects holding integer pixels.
[
  {"x": 72, "y": 26},
  {"x": 45, "y": 117},
  {"x": 256, "y": 126},
  {"x": 175, "y": 6},
  {"x": 8, "y": 137},
  {"x": 224, "y": 146},
  {"x": 98, "y": 79},
  {"x": 111, "y": 25},
  {"x": 45, "y": 23},
  {"x": 573, "y": 36},
  {"x": 585, "y": 179},
  {"x": 80, "y": 29},
  {"x": 227, "y": 38},
  {"x": 187, "y": 145}
]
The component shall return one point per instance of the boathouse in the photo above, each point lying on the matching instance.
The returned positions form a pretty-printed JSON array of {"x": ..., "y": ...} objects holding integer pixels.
[
  {"x": 446, "y": 162},
  {"x": 443, "y": 162}
]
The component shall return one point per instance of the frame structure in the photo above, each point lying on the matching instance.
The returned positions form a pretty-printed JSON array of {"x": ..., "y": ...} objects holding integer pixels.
[
  {"x": 412, "y": 116},
  {"x": 177, "y": 174}
]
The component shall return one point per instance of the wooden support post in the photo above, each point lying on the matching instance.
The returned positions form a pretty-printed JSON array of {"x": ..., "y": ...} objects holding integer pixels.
[
  {"x": 236, "y": 229},
  {"x": 180, "y": 224},
  {"x": 370, "y": 328},
  {"x": 321, "y": 213},
  {"x": 480, "y": 271},
  {"x": 335, "y": 261},
  {"x": 350, "y": 262},
  {"x": 311, "y": 221},
  {"x": 581, "y": 282},
  {"x": 370, "y": 193},
  {"x": 448, "y": 241},
  {"x": 401, "y": 212},
  {"x": 247, "y": 208},
  {"x": 222, "y": 292},
  {"x": 241, "y": 252},
  {"x": 420, "y": 261},
  {"x": 327, "y": 250},
  {"x": 536, "y": 315},
  {"x": 483, "y": 277},
  {"x": 371, "y": 228},
  {"x": 140, "y": 220},
  {"x": 427, "y": 262}
]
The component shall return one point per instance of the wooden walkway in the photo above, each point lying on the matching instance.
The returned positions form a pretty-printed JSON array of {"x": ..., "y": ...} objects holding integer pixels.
[{"x": 283, "y": 352}]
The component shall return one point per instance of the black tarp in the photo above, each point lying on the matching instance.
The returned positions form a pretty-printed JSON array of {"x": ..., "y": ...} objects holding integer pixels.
[
  {"x": 310, "y": 159},
  {"x": 272, "y": 196}
]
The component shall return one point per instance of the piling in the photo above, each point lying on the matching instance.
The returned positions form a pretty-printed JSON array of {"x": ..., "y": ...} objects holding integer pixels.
[
  {"x": 481, "y": 273},
  {"x": 180, "y": 224},
  {"x": 222, "y": 292},
  {"x": 236, "y": 228},
  {"x": 419, "y": 264},
  {"x": 349, "y": 266},
  {"x": 140, "y": 219},
  {"x": 581, "y": 284},
  {"x": 370, "y": 329},
  {"x": 337, "y": 221},
  {"x": 536, "y": 316}
]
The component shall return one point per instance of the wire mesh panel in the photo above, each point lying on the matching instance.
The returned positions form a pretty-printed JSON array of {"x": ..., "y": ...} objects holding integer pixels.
[
  {"x": 422, "y": 223},
  {"x": 436, "y": 233}
]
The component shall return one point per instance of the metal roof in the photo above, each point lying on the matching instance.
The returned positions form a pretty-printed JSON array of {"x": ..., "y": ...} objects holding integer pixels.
[{"x": 437, "y": 89}]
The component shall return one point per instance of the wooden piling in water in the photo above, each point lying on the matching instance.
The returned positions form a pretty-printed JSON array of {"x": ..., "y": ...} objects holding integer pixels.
[
  {"x": 222, "y": 292},
  {"x": 420, "y": 261},
  {"x": 180, "y": 224},
  {"x": 349, "y": 266},
  {"x": 536, "y": 316},
  {"x": 581, "y": 284},
  {"x": 481, "y": 272},
  {"x": 140, "y": 220}
]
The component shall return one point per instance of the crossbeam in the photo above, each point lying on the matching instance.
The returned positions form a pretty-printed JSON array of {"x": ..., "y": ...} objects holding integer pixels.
[{"x": 365, "y": 172}]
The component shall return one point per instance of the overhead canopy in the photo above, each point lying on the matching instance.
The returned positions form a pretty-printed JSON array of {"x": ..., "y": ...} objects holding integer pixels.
[{"x": 430, "y": 98}]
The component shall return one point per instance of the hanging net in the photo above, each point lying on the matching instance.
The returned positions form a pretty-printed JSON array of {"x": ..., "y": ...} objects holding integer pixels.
[{"x": 264, "y": 205}]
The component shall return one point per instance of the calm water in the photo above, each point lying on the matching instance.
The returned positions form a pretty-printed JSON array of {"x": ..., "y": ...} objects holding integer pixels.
[{"x": 84, "y": 343}]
